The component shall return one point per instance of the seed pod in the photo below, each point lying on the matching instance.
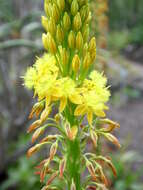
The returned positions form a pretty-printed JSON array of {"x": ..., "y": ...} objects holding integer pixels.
[
  {"x": 86, "y": 61},
  {"x": 71, "y": 40},
  {"x": 74, "y": 7},
  {"x": 53, "y": 150},
  {"x": 55, "y": 13},
  {"x": 51, "y": 44},
  {"x": 45, "y": 41},
  {"x": 76, "y": 63},
  {"x": 44, "y": 21},
  {"x": 66, "y": 21},
  {"x": 61, "y": 4},
  {"x": 77, "y": 22},
  {"x": 79, "y": 41},
  {"x": 52, "y": 26},
  {"x": 59, "y": 34}
]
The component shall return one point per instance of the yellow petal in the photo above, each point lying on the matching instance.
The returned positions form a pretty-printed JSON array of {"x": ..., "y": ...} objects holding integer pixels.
[
  {"x": 48, "y": 100},
  {"x": 90, "y": 117},
  {"x": 80, "y": 110},
  {"x": 75, "y": 98},
  {"x": 63, "y": 103},
  {"x": 100, "y": 113}
]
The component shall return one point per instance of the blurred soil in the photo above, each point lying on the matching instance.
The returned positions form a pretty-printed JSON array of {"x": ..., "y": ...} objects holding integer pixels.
[{"x": 128, "y": 111}]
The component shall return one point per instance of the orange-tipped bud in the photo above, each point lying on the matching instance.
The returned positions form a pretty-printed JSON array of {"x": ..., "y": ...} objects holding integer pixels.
[
  {"x": 62, "y": 167},
  {"x": 34, "y": 125},
  {"x": 37, "y": 108}
]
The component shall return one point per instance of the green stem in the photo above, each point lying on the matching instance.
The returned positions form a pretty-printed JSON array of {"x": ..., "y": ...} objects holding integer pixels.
[{"x": 73, "y": 163}]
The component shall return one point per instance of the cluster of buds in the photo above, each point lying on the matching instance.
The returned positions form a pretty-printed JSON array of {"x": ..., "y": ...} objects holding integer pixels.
[
  {"x": 61, "y": 78},
  {"x": 67, "y": 30}
]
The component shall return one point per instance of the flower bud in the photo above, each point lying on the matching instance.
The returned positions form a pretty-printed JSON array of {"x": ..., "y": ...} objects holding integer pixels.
[
  {"x": 76, "y": 63},
  {"x": 59, "y": 34},
  {"x": 79, "y": 41},
  {"x": 84, "y": 12},
  {"x": 50, "y": 180},
  {"x": 52, "y": 26},
  {"x": 83, "y": 2},
  {"x": 48, "y": 8},
  {"x": 71, "y": 40},
  {"x": 85, "y": 32},
  {"x": 90, "y": 168},
  {"x": 45, "y": 42},
  {"x": 66, "y": 21},
  {"x": 51, "y": 44},
  {"x": 61, "y": 4},
  {"x": 92, "y": 44},
  {"x": 33, "y": 149},
  {"x": 77, "y": 22},
  {"x": 86, "y": 61},
  {"x": 37, "y": 108},
  {"x": 49, "y": 138},
  {"x": 85, "y": 49},
  {"x": 55, "y": 13},
  {"x": 74, "y": 7},
  {"x": 64, "y": 56},
  {"x": 44, "y": 21}
]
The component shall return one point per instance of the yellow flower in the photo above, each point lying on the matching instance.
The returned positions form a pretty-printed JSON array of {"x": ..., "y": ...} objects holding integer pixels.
[
  {"x": 68, "y": 91},
  {"x": 30, "y": 78},
  {"x": 95, "y": 95}
]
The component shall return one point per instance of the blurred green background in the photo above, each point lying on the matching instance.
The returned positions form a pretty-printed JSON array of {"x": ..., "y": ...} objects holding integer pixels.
[{"x": 20, "y": 41}]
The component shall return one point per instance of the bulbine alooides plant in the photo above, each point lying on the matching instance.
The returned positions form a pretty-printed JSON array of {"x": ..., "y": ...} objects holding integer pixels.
[{"x": 64, "y": 79}]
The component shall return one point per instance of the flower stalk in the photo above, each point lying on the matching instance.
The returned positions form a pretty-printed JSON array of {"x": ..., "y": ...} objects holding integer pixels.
[{"x": 64, "y": 78}]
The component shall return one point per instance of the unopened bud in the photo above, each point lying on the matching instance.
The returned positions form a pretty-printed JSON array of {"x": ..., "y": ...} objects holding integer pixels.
[
  {"x": 37, "y": 108},
  {"x": 76, "y": 63},
  {"x": 85, "y": 32},
  {"x": 83, "y": 2},
  {"x": 48, "y": 8},
  {"x": 61, "y": 4},
  {"x": 79, "y": 41},
  {"x": 55, "y": 13},
  {"x": 52, "y": 26},
  {"x": 86, "y": 61},
  {"x": 85, "y": 49},
  {"x": 74, "y": 7},
  {"x": 57, "y": 118},
  {"x": 77, "y": 22},
  {"x": 51, "y": 44},
  {"x": 66, "y": 21},
  {"x": 64, "y": 56},
  {"x": 71, "y": 40},
  {"x": 84, "y": 12},
  {"x": 59, "y": 34},
  {"x": 92, "y": 44},
  {"x": 44, "y": 21},
  {"x": 45, "y": 42},
  {"x": 113, "y": 139}
]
